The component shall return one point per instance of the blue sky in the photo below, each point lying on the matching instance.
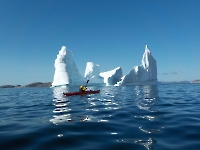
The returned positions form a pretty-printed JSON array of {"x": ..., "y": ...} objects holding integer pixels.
[{"x": 110, "y": 33}]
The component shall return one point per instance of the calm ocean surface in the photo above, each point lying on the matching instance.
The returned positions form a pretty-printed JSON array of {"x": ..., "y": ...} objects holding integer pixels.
[{"x": 162, "y": 117}]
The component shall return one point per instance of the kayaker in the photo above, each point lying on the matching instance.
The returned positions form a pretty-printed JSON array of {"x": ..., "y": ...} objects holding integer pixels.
[{"x": 82, "y": 89}]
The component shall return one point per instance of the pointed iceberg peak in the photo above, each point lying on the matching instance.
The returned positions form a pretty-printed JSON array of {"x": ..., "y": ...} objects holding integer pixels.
[
  {"x": 61, "y": 76},
  {"x": 147, "y": 49},
  {"x": 66, "y": 72},
  {"x": 144, "y": 73},
  {"x": 63, "y": 50},
  {"x": 149, "y": 64},
  {"x": 147, "y": 57}
]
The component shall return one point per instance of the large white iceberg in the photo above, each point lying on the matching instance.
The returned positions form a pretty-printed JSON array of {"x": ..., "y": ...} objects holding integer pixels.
[
  {"x": 142, "y": 74},
  {"x": 66, "y": 71}
]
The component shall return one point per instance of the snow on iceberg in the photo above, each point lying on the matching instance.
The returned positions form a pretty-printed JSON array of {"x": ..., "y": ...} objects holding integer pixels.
[
  {"x": 112, "y": 77},
  {"x": 143, "y": 74},
  {"x": 66, "y": 71}
]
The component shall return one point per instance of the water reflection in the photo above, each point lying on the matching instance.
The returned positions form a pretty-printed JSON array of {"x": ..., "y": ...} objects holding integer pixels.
[
  {"x": 61, "y": 106},
  {"x": 107, "y": 100},
  {"x": 113, "y": 105},
  {"x": 57, "y": 92},
  {"x": 149, "y": 130},
  {"x": 148, "y": 144},
  {"x": 150, "y": 118},
  {"x": 146, "y": 97},
  {"x": 85, "y": 108},
  {"x": 146, "y": 100}
]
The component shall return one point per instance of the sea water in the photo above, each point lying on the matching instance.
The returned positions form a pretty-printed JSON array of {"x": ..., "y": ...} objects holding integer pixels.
[{"x": 160, "y": 117}]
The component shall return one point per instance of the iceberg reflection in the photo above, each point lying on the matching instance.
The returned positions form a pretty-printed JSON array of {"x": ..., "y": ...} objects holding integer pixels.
[{"x": 61, "y": 103}]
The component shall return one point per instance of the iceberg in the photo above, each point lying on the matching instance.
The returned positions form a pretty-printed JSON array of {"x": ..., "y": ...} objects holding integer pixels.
[
  {"x": 146, "y": 73},
  {"x": 92, "y": 72},
  {"x": 113, "y": 76},
  {"x": 66, "y": 71}
]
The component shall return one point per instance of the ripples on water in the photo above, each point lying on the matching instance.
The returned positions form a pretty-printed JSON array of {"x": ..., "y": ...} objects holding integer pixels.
[{"x": 126, "y": 117}]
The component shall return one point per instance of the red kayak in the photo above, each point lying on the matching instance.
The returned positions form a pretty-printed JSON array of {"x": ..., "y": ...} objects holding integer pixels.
[{"x": 81, "y": 93}]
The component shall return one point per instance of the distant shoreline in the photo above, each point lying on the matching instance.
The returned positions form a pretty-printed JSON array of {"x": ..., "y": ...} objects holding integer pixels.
[
  {"x": 196, "y": 81},
  {"x": 35, "y": 84}
]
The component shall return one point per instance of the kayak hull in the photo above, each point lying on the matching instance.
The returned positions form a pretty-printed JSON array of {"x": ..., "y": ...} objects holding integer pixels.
[{"x": 82, "y": 93}]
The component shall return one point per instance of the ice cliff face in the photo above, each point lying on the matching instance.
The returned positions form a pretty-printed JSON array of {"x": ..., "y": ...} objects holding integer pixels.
[
  {"x": 74, "y": 75},
  {"x": 66, "y": 71},
  {"x": 112, "y": 77},
  {"x": 149, "y": 65},
  {"x": 146, "y": 72},
  {"x": 92, "y": 72},
  {"x": 61, "y": 76}
]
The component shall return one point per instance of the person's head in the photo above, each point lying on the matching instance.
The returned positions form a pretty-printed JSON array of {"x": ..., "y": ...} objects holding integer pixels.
[{"x": 81, "y": 86}]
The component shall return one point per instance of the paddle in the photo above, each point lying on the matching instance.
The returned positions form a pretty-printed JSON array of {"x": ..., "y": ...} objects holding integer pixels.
[{"x": 86, "y": 83}]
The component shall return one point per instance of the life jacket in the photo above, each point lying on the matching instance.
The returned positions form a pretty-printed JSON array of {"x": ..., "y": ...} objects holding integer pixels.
[{"x": 82, "y": 88}]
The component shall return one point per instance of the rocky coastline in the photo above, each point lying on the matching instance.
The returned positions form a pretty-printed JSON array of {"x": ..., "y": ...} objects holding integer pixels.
[{"x": 35, "y": 84}]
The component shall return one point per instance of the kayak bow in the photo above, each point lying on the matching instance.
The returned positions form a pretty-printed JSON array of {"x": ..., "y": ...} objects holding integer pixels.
[{"x": 81, "y": 93}]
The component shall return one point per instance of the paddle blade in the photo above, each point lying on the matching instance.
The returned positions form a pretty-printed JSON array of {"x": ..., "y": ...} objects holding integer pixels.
[{"x": 87, "y": 81}]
